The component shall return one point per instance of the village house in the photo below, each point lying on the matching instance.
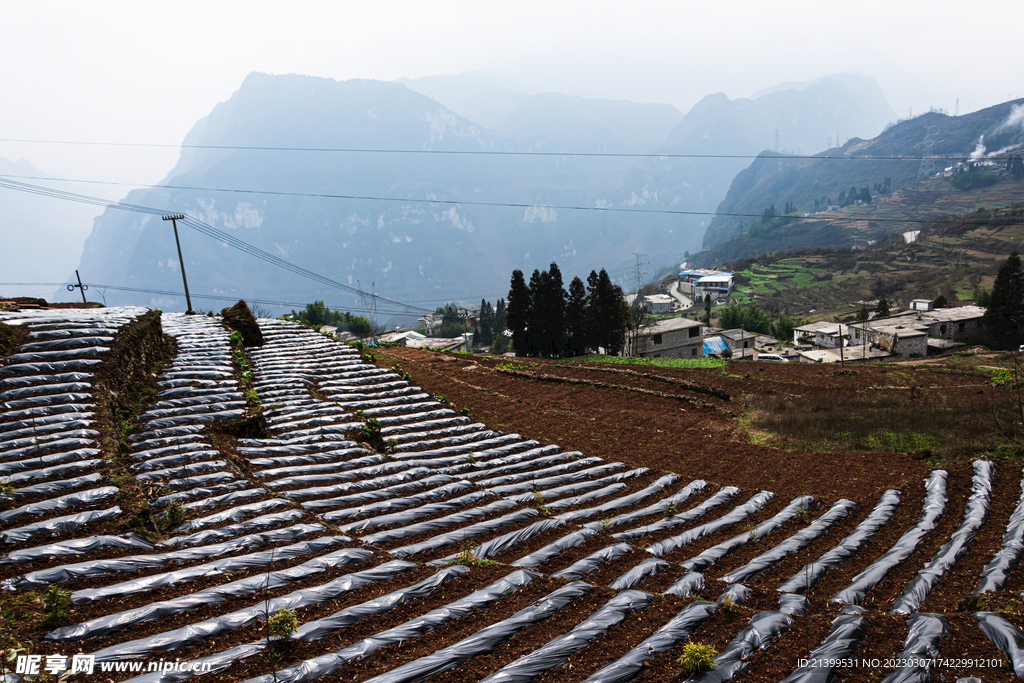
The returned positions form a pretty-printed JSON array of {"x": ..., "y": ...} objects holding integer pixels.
[
  {"x": 699, "y": 283},
  {"x": 913, "y": 331},
  {"x": 740, "y": 342},
  {"x": 822, "y": 334},
  {"x": 671, "y": 338},
  {"x": 659, "y": 303}
]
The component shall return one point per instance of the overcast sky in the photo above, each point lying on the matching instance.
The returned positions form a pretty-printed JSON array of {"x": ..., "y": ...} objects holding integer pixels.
[{"x": 146, "y": 71}]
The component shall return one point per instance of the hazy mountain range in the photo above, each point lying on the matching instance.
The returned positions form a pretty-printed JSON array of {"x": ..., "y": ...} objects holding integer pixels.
[
  {"x": 777, "y": 180},
  {"x": 42, "y": 237},
  {"x": 414, "y": 250}
]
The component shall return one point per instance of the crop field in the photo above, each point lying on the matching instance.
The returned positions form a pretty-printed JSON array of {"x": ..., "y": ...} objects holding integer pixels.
[{"x": 304, "y": 510}]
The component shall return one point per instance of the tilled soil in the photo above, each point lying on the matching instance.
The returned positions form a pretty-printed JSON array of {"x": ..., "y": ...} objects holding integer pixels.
[{"x": 685, "y": 422}]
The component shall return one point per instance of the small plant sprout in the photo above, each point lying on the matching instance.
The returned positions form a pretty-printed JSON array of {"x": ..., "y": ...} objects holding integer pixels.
[
  {"x": 442, "y": 399},
  {"x": 175, "y": 512},
  {"x": 464, "y": 410},
  {"x": 698, "y": 658},
  {"x": 470, "y": 459},
  {"x": 56, "y": 603},
  {"x": 397, "y": 367},
  {"x": 407, "y": 377},
  {"x": 283, "y": 623},
  {"x": 607, "y": 523},
  {"x": 670, "y": 508}
]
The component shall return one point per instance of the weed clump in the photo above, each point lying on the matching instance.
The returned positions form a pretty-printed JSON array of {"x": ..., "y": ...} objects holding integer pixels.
[
  {"x": 283, "y": 623},
  {"x": 56, "y": 605},
  {"x": 698, "y": 658}
]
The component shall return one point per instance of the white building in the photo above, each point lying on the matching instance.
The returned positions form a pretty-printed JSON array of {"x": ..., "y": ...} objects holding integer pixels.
[{"x": 659, "y": 303}]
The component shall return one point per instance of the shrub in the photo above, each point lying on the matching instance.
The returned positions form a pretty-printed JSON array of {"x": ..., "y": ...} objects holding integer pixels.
[
  {"x": 283, "y": 623},
  {"x": 56, "y": 603},
  {"x": 175, "y": 512},
  {"x": 698, "y": 658}
]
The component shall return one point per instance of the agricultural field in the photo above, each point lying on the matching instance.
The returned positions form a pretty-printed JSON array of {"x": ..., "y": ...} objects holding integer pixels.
[
  {"x": 303, "y": 510},
  {"x": 954, "y": 257}
]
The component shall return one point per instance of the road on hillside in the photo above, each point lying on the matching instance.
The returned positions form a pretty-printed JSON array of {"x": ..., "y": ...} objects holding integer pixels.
[{"x": 683, "y": 300}]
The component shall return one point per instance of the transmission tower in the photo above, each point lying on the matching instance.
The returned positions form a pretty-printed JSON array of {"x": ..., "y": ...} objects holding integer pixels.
[
  {"x": 956, "y": 112},
  {"x": 776, "y": 140},
  {"x": 927, "y": 147}
]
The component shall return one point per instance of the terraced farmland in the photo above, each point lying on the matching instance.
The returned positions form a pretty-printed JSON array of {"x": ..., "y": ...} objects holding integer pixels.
[{"x": 412, "y": 541}]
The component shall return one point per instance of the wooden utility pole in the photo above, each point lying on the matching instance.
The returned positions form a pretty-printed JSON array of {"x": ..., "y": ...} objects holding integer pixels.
[{"x": 174, "y": 218}]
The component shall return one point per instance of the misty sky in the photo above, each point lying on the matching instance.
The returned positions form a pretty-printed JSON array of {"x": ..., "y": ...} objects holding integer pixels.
[{"x": 145, "y": 72}]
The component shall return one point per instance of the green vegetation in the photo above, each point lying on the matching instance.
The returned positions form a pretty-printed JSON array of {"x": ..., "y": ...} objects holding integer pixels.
[
  {"x": 283, "y": 623},
  {"x": 318, "y": 315},
  {"x": 56, "y": 604},
  {"x": 546, "y": 320},
  {"x": 697, "y": 658},
  {"x": 1004, "y": 318},
  {"x": 660, "y": 362},
  {"x": 175, "y": 512}
]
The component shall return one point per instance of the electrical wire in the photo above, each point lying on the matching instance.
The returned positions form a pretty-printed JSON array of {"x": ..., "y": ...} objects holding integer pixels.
[
  {"x": 209, "y": 231},
  {"x": 212, "y": 297},
  {"x": 488, "y": 152},
  {"x": 451, "y": 202}
]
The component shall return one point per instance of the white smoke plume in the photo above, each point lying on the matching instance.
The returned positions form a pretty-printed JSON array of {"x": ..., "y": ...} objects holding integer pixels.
[
  {"x": 1016, "y": 118},
  {"x": 979, "y": 151}
]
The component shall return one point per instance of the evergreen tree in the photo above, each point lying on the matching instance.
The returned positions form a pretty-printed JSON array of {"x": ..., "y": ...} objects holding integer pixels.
[
  {"x": 452, "y": 324},
  {"x": 883, "y": 308},
  {"x": 610, "y": 315},
  {"x": 1004, "y": 318},
  {"x": 536, "y": 328},
  {"x": 485, "y": 325},
  {"x": 499, "y": 318},
  {"x": 517, "y": 312},
  {"x": 554, "y": 305},
  {"x": 576, "y": 319},
  {"x": 590, "y": 330},
  {"x": 707, "y": 309},
  {"x": 782, "y": 328}
]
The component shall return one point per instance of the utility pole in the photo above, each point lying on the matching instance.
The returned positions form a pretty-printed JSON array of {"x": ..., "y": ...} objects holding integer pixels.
[
  {"x": 174, "y": 218},
  {"x": 80, "y": 286},
  {"x": 776, "y": 139}
]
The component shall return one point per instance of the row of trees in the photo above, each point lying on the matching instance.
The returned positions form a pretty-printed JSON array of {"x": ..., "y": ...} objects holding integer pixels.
[
  {"x": 547, "y": 320},
  {"x": 492, "y": 322},
  {"x": 317, "y": 314},
  {"x": 1004, "y": 317},
  {"x": 752, "y": 319}
]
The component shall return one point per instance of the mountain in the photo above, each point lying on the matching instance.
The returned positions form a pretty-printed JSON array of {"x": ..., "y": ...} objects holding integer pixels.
[
  {"x": 43, "y": 237},
  {"x": 384, "y": 234},
  {"x": 742, "y": 128},
  {"x": 777, "y": 179},
  {"x": 484, "y": 98},
  {"x": 560, "y": 122}
]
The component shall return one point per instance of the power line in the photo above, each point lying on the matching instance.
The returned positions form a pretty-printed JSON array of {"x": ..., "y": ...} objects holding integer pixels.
[
  {"x": 207, "y": 230},
  {"x": 407, "y": 200},
  {"x": 213, "y": 297},
  {"x": 480, "y": 152}
]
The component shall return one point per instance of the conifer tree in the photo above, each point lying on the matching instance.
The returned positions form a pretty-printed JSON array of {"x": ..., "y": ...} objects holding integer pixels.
[
  {"x": 1004, "y": 318},
  {"x": 517, "y": 312},
  {"x": 576, "y": 319}
]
